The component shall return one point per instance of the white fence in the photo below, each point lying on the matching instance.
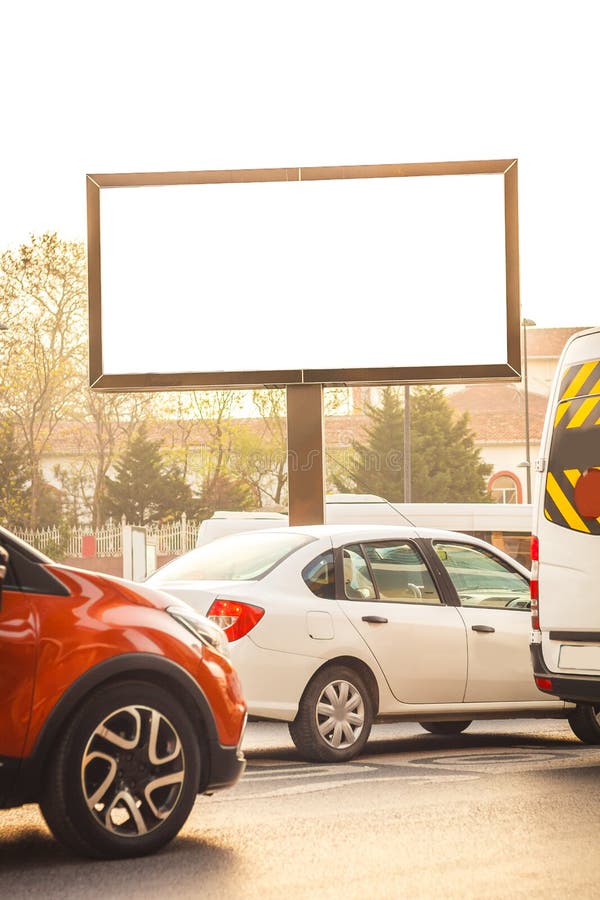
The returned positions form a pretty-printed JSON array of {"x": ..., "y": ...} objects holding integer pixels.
[{"x": 172, "y": 539}]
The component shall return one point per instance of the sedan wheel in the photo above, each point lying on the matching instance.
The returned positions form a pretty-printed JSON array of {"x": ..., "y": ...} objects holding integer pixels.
[
  {"x": 125, "y": 774},
  {"x": 445, "y": 727},
  {"x": 585, "y": 722},
  {"x": 334, "y": 717}
]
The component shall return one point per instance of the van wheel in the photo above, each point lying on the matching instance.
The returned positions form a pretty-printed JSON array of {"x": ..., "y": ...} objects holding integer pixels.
[
  {"x": 125, "y": 773},
  {"x": 334, "y": 717},
  {"x": 445, "y": 727},
  {"x": 585, "y": 722}
]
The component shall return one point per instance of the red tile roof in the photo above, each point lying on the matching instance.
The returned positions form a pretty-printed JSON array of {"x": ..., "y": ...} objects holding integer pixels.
[
  {"x": 497, "y": 412},
  {"x": 549, "y": 341}
]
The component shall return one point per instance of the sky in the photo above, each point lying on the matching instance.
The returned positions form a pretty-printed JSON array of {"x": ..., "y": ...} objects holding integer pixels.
[{"x": 134, "y": 86}]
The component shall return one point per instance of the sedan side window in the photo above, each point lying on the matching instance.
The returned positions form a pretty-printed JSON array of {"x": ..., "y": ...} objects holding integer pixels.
[
  {"x": 358, "y": 584},
  {"x": 395, "y": 572},
  {"x": 319, "y": 576},
  {"x": 482, "y": 579},
  {"x": 400, "y": 573}
]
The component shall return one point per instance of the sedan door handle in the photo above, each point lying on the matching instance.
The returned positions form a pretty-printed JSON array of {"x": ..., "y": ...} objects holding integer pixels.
[
  {"x": 485, "y": 628},
  {"x": 378, "y": 619}
]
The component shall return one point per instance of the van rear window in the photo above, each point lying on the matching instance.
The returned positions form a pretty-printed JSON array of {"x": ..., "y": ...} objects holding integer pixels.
[{"x": 572, "y": 497}]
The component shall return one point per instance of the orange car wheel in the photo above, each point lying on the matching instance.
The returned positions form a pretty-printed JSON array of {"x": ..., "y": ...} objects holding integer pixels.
[{"x": 125, "y": 773}]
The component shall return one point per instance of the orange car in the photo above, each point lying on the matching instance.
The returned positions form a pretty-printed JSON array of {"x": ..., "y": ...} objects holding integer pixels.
[{"x": 119, "y": 705}]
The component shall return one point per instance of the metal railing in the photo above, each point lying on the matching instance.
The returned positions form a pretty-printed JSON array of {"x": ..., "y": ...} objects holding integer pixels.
[{"x": 172, "y": 539}]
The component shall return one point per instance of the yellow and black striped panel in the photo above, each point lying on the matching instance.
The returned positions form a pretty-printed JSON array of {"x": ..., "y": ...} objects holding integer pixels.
[
  {"x": 575, "y": 445},
  {"x": 581, "y": 380}
]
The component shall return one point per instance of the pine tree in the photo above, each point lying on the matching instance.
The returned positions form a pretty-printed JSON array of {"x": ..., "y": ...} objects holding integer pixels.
[
  {"x": 377, "y": 467},
  {"x": 145, "y": 488},
  {"x": 222, "y": 491},
  {"x": 445, "y": 464}
]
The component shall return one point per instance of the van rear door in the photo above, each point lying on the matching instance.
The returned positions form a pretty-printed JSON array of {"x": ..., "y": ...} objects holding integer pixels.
[{"x": 568, "y": 514}]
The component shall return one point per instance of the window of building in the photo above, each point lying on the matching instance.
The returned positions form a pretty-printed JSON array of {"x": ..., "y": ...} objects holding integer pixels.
[{"x": 504, "y": 488}]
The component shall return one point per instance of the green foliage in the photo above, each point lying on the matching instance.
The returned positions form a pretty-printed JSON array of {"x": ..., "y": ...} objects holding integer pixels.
[
  {"x": 14, "y": 480},
  {"x": 56, "y": 550},
  {"x": 146, "y": 488},
  {"x": 49, "y": 505},
  {"x": 445, "y": 464},
  {"x": 15, "y": 488},
  {"x": 225, "y": 492}
]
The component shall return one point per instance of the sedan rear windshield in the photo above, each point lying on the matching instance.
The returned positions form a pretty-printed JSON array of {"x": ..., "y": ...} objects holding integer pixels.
[{"x": 236, "y": 557}]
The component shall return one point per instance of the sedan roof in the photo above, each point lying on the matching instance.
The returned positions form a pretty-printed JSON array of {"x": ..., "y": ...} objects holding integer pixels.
[
  {"x": 339, "y": 534},
  {"x": 346, "y": 533}
]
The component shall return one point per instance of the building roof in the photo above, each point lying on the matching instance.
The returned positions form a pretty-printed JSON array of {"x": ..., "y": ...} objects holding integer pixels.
[
  {"x": 497, "y": 412},
  {"x": 549, "y": 342}
]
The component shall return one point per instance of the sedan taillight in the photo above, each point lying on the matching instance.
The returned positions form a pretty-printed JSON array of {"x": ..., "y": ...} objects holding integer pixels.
[{"x": 236, "y": 619}]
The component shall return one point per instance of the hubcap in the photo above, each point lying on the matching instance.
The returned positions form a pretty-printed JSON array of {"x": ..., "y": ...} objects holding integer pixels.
[
  {"x": 340, "y": 714},
  {"x": 132, "y": 771}
]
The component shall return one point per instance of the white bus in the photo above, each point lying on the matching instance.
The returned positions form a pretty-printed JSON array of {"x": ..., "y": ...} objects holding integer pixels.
[
  {"x": 565, "y": 586},
  {"x": 505, "y": 525}
]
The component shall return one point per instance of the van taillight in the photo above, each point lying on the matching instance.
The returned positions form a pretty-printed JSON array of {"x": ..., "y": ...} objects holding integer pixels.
[
  {"x": 236, "y": 619},
  {"x": 535, "y": 548},
  {"x": 534, "y": 583}
]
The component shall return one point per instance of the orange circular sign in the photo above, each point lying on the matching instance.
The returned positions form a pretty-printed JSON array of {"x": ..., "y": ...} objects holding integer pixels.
[{"x": 587, "y": 494}]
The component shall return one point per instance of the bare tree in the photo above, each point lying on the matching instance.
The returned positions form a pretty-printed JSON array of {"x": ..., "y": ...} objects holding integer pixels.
[
  {"x": 43, "y": 304},
  {"x": 261, "y": 452},
  {"x": 265, "y": 461},
  {"x": 215, "y": 410},
  {"x": 108, "y": 423}
]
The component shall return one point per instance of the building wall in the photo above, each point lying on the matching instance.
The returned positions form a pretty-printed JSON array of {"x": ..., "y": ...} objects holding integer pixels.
[{"x": 506, "y": 458}]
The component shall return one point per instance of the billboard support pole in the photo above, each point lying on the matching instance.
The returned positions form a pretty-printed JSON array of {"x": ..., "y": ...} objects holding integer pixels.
[{"x": 305, "y": 453}]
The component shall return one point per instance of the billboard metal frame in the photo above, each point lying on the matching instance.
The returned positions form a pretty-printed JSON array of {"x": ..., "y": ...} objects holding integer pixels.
[{"x": 428, "y": 374}]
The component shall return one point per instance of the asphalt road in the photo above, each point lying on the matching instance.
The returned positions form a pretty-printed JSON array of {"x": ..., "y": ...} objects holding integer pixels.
[{"x": 505, "y": 810}]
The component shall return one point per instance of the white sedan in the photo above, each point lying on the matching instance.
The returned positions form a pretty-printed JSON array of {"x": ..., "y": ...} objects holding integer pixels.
[{"x": 333, "y": 628}]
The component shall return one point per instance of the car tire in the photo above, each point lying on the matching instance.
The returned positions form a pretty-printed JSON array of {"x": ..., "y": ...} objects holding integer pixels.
[
  {"x": 334, "y": 716},
  {"x": 445, "y": 727},
  {"x": 124, "y": 775},
  {"x": 585, "y": 722}
]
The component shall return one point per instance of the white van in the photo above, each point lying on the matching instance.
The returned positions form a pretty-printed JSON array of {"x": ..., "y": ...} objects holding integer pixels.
[
  {"x": 339, "y": 508},
  {"x": 506, "y": 525},
  {"x": 565, "y": 546},
  {"x": 226, "y": 522}
]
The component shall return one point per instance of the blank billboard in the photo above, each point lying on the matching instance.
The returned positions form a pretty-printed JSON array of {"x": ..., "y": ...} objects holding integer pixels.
[{"x": 337, "y": 275}]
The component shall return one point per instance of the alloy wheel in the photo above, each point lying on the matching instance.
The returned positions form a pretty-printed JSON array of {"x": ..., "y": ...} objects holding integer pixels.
[{"x": 132, "y": 771}]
